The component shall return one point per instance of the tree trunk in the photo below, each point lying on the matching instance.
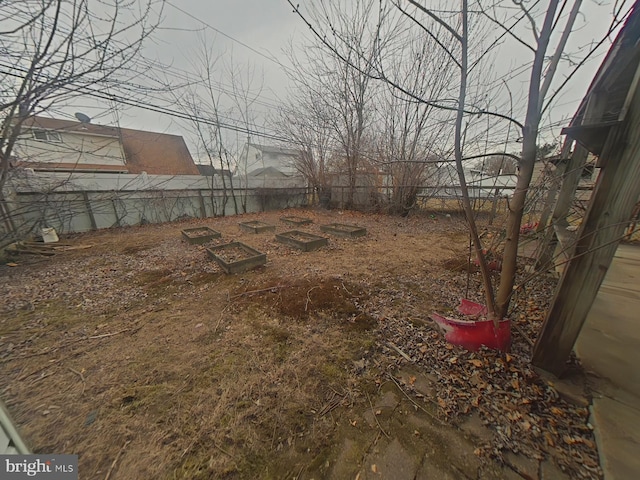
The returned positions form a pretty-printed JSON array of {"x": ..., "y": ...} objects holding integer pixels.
[
  {"x": 528, "y": 158},
  {"x": 466, "y": 202}
]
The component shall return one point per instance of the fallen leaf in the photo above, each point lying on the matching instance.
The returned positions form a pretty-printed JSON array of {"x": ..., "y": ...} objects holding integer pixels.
[
  {"x": 475, "y": 362},
  {"x": 354, "y": 423},
  {"x": 374, "y": 468},
  {"x": 441, "y": 402},
  {"x": 412, "y": 380},
  {"x": 12, "y": 264},
  {"x": 549, "y": 439}
]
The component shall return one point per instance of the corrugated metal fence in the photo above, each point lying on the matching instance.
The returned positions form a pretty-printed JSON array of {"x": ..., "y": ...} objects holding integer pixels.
[{"x": 81, "y": 202}]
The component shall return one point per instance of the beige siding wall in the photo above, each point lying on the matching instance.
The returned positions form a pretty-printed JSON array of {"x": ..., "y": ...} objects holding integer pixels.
[{"x": 72, "y": 148}]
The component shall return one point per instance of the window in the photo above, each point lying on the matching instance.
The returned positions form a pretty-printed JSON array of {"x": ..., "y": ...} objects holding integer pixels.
[
  {"x": 54, "y": 136},
  {"x": 47, "y": 135},
  {"x": 40, "y": 134}
]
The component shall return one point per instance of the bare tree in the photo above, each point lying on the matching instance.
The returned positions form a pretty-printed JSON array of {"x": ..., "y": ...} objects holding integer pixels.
[
  {"x": 53, "y": 51},
  {"x": 539, "y": 85},
  {"x": 201, "y": 99},
  {"x": 218, "y": 103},
  {"x": 304, "y": 122},
  {"x": 413, "y": 133},
  {"x": 247, "y": 85},
  {"x": 498, "y": 165},
  {"x": 543, "y": 20},
  {"x": 342, "y": 95}
]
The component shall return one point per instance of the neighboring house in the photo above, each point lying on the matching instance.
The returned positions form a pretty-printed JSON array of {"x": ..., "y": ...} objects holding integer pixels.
[
  {"x": 271, "y": 177},
  {"x": 483, "y": 184},
  {"x": 209, "y": 170},
  {"x": 480, "y": 184},
  {"x": 267, "y": 172},
  {"x": 51, "y": 144},
  {"x": 255, "y": 157}
]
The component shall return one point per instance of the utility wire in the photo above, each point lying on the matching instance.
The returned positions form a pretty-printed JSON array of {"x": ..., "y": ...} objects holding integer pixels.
[
  {"x": 163, "y": 110},
  {"x": 269, "y": 57}
]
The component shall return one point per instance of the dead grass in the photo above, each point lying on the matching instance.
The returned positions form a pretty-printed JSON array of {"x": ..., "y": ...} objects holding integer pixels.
[
  {"x": 142, "y": 344},
  {"x": 142, "y": 339}
]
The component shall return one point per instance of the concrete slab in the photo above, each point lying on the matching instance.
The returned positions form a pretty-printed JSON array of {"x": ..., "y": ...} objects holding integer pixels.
[
  {"x": 618, "y": 443},
  {"x": 526, "y": 467},
  {"x": 550, "y": 471},
  {"x": 445, "y": 448},
  {"x": 609, "y": 348},
  {"x": 609, "y": 343},
  {"x": 430, "y": 471},
  {"x": 347, "y": 461},
  {"x": 393, "y": 462}
]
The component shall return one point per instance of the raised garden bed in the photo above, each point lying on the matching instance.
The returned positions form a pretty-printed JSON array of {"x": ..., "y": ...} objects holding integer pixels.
[
  {"x": 257, "y": 227},
  {"x": 302, "y": 240},
  {"x": 296, "y": 221},
  {"x": 344, "y": 230},
  {"x": 236, "y": 257},
  {"x": 200, "y": 235}
]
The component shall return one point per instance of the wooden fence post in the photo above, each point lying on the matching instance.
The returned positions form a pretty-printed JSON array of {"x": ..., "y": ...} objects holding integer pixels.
[
  {"x": 87, "y": 204},
  {"x": 616, "y": 192}
]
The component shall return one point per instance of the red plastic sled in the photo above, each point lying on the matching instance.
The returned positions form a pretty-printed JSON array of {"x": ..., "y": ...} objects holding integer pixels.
[{"x": 473, "y": 333}]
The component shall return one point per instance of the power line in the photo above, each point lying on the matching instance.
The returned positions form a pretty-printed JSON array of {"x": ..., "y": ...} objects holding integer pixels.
[
  {"x": 163, "y": 110},
  {"x": 184, "y": 75},
  {"x": 269, "y": 57}
]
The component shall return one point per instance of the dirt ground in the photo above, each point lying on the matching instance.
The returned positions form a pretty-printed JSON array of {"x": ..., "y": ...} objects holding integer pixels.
[{"x": 135, "y": 351}]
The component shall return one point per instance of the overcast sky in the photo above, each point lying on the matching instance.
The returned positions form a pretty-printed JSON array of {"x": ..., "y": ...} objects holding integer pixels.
[
  {"x": 244, "y": 32},
  {"x": 257, "y": 31}
]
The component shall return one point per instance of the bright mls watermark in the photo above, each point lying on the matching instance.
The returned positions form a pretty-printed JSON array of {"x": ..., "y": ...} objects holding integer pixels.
[{"x": 49, "y": 467}]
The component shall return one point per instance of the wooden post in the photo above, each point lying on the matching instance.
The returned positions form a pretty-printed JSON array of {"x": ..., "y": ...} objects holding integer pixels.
[
  {"x": 559, "y": 223},
  {"x": 6, "y": 215},
  {"x": 115, "y": 212},
  {"x": 554, "y": 177},
  {"x": 594, "y": 109},
  {"x": 203, "y": 210},
  {"x": 87, "y": 204},
  {"x": 616, "y": 192},
  {"x": 494, "y": 206}
]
